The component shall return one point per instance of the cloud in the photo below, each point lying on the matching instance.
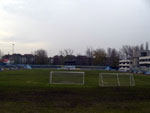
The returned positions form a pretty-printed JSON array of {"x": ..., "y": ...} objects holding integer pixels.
[
  {"x": 75, "y": 24},
  {"x": 4, "y": 34}
]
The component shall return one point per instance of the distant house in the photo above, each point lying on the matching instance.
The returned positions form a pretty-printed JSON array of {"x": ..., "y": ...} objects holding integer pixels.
[
  {"x": 29, "y": 58},
  {"x": 15, "y": 58},
  {"x": 5, "y": 61},
  {"x": 69, "y": 60},
  {"x": 20, "y": 59},
  {"x": 82, "y": 60}
]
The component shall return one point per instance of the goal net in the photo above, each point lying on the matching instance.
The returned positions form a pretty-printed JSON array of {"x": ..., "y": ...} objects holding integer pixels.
[
  {"x": 66, "y": 77},
  {"x": 116, "y": 79}
]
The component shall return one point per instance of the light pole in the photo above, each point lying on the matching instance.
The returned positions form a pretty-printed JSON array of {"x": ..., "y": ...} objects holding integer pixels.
[{"x": 13, "y": 48}]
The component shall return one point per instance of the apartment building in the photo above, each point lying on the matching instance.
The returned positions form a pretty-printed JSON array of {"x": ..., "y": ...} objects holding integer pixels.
[
  {"x": 144, "y": 61},
  {"x": 125, "y": 65},
  {"x": 140, "y": 59}
]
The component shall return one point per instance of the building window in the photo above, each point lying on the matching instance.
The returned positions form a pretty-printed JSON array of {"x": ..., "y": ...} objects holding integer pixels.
[{"x": 143, "y": 53}]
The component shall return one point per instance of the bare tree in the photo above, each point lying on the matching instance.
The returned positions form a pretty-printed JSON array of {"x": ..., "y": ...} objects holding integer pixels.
[
  {"x": 109, "y": 51},
  {"x": 90, "y": 54},
  {"x": 113, "y": 57},
  {"x": 136, "y": 48},
  {"x": 66, "y": 52},
  {"x": 41, "y": 57},
  {"x": 127, "y": 51},
  {"x": 147, "y": 46},
  {"x": 61, "y": 53},
  {"x": 99, "y": 57},
  {"x": 141, "y": 47},
  {"x": 121, "y": 54},
  {"x": 65, "y": 55},
  {"x": 1, "y": 54}
]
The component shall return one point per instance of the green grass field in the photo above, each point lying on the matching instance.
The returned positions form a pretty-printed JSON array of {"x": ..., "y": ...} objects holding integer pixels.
[{"x": 29, "y": 91}]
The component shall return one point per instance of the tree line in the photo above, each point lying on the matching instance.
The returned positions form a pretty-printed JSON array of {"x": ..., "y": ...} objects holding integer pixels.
[{"x": 97, "y": 57}]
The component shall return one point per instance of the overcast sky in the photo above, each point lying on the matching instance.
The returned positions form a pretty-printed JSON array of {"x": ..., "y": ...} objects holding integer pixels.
[{"x": 55, "y": 25}]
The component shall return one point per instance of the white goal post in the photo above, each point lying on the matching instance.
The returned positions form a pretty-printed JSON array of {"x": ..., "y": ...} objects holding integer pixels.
[
  {"x": 66, "y": 77},
  {"x": 116, "y": 79}
]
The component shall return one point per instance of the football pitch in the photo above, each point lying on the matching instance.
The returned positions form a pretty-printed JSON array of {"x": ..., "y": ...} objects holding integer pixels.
[{"x": 29, "y": 91}]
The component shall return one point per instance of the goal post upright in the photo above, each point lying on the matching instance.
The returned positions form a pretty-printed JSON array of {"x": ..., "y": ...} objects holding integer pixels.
[
  {"x": 130, "y": 81},
  {"x": 100, "y": 79},
  {"x": 83, "y": 78},
  {"x": 118, "y": 79},
  {"x": 50, "y": 81},
  {"x": 132, "y": 78}
]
